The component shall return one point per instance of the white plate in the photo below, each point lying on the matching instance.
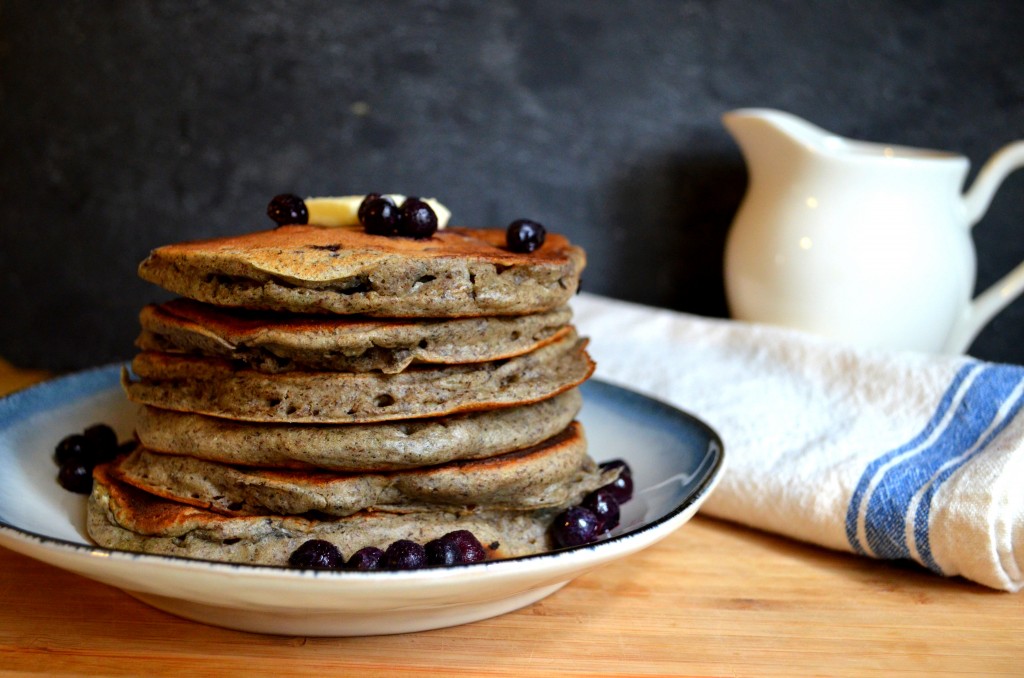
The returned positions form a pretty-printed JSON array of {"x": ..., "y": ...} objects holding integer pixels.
[{"x": 676, "y": 461}]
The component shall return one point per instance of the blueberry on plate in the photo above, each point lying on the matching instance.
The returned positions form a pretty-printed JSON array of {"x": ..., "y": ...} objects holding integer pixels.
[
  {"x": 365, "y": 559},
  {"x": 104, "y": 441},
  {"x": 460, "y": 547},
  {"x": 127, "y": 447},
  {"x": 622, "y": 487},
  {"x": 404, "y": 554},
  {"x": 76, "y": 476},
  {"x": 574, "y": 526},
  {"x": 620, "y": 464},
  {"x": 96, "y": 445},
  {"x": 602, "y": 503},
  {"x": 317, "y": 554},
  {"x": 74, "y": 448}
]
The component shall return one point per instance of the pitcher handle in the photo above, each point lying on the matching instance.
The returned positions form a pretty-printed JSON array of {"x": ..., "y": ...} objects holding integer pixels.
[{"x": 976, "y": 202}]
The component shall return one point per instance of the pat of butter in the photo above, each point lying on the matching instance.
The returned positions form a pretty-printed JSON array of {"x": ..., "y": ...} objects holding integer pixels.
[{"x": 344, "y": 210}]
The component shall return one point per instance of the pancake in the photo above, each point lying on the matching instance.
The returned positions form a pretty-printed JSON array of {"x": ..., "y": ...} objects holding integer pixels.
[
  {"x": 122, "y": 517},
  {"x": 357, "y": 447},
  {"x": 214, "y": 387},
  {"x": 275, "y": 343},
  {"x": 554, "y": 474},
  {"x": 308, "y": 269}
]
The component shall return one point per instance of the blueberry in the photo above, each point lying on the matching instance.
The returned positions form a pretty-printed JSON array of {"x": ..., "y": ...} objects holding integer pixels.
[
  {"x": 365, "y": 559},
  {"x": 102, "y": 435},
  {"x": 379, "y": 216},
  {"x": 574, "y": 526},
  {"x": 361, "y": 212},
  {"x": 602, "y": 503},
  {"x": 625, "y": 470},
  {"x": 76, "y": 476},
  {"x": 417, "y": 219},
  {"x": 127, "y": 447},
  {"x": 287, "y": 209},
  {"x": 404, "y": 555},
  {"x": 455, "y": 548},
  {"x": 74, "y": 448},
  {"x": 98, "y": 444},
  {"x": 104, "y": 441},
  {"x": 524, "y": 235},
  {"x": 317, "y": 554},
  {"x": 622, "y": 487}
]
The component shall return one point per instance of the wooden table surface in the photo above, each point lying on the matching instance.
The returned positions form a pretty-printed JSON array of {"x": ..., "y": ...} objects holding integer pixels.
[{"x": 711, "y": 599}]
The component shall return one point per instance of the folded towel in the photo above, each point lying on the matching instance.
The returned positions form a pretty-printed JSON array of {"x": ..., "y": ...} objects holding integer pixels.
[{"x": 895, "y": 455}]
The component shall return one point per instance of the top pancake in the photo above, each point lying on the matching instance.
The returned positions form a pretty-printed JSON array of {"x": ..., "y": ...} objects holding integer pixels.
[{"x": 309, "y": 269}]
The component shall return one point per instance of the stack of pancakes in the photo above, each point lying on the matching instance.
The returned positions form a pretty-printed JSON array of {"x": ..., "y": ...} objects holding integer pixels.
[{"x": 331, "y": 384}]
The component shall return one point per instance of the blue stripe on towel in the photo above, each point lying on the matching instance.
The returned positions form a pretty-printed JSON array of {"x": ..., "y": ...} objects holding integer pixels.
[
  {"x": 921, "y": 518},
  {"x": 853, "y": 513},
  {"x": 886, "y": 519},
  {"x": 974, "y": 409}
]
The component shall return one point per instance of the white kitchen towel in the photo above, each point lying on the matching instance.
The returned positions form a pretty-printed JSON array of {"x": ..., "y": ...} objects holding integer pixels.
[{"x": 888, "y": 454}]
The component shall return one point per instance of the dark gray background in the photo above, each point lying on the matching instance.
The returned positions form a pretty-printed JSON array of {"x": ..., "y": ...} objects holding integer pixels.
[{"x": 125, "y": 125}]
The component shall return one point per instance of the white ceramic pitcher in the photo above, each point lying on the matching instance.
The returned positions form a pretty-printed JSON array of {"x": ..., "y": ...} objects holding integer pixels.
[{"x": 860, "y": 241}]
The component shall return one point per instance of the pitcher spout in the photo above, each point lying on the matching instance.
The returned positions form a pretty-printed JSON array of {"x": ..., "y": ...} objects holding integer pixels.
[{"x": 765, "y": 133}]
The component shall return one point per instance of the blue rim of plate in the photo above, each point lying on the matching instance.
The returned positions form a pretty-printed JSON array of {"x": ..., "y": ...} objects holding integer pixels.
[{"x": 34, "y": 399}]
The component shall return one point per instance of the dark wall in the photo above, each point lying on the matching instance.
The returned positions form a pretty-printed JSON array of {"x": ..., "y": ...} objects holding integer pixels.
[{"x": 125, "y": 125}]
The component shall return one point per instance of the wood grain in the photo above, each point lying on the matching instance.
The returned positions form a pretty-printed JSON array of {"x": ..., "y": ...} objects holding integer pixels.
[{"x": 712, "y": 599}]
